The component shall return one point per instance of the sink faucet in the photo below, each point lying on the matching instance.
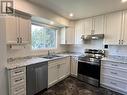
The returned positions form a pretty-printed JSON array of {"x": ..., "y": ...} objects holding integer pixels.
[{"x": 49, "y": 53}]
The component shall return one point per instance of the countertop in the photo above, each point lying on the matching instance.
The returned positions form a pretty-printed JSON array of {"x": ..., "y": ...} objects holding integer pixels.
[
  {"x": 117, "y": 59},
  {"x": 20, "y": 62}
]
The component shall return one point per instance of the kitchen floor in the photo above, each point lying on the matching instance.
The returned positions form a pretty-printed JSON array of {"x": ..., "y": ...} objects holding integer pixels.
[{"x": 72, "y": 86}]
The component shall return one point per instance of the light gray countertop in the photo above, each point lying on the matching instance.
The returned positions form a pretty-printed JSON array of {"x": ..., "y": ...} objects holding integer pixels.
[
  {"x": 20, "y": 62},
  {"x": 115, "y": 60}
]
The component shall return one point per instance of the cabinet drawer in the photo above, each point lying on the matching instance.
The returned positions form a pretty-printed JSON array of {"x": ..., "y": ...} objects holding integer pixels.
[
  {"x": 114, "y": 64},
  {"x": 114, "y": 83},
  {"x": 19, "y": 90},
  {"x": 18, "y": 71},
  {"x": 18, "y": 80},
  {"x": 114, "y": 72},
  {"x": 56, "y": 62}
]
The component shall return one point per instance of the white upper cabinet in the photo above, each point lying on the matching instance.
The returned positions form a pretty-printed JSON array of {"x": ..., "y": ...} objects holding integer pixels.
[
  {"x": 25, "y": 28},
  {"x": 88, "y": 26},
  {"x": 93, "y": 25},
  {"x": 113, "y": 28},
  {"x": 79, "y": 31},
  {"x": 124, "y": 40},
  {"x": 98, "y": 25},
  {"x": 17, "y": 30},
  {"x": 68, "y": 34},
  {"x": 11, "y": 30}
]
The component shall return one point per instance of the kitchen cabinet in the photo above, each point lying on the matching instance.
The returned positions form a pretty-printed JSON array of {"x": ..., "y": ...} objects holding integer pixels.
[
  {"x": 114, "y": 76},
  {"x": 17, "y": 81},
  {"x": 58, "y": 70},
  {"x": 124, "y": 36},
  {"x": 68, "y": 34},
  {"x": 88, "y": 26},
  {"x": 113, "y": 28},
  {"x": 79, "y": 31},
  {"x": 93, "y": 25},
  {"x": 74, "y": 66},
  {"x": 17, "y": 29},
  {"x": 98, "y": 25},
  {"x": 68, "y": 66}
]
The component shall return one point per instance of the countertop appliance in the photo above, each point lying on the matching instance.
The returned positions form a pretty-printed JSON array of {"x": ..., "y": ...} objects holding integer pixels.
[
  {"x": 89, "y": 66},
  {"x": 37, "y": 78}
]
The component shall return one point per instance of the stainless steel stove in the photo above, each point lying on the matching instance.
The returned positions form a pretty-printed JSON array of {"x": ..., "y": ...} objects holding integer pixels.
[{"x": 89, "y": 66}]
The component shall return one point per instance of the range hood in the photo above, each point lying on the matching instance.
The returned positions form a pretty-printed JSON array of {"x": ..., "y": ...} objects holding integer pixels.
[{"x": 92, "y": 37}]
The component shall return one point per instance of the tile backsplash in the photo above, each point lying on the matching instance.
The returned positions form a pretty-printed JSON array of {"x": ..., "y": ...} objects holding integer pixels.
[{"x": 117, "y": 50}]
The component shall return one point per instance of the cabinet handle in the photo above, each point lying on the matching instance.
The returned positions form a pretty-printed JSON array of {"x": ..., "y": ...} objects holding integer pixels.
[
  {"x": 92, "y": 32},
  {"x": 114, "y": 65},
  {"x": 113, "y": 83},
  {"x": 122, "y": 42},
  {"x": 18, "y": 72},
  {"x": 20, "y": 40},
  {"x": 18, "y": 80},
  {"x": 114, "y": 73},
  {"x": 17, "y": 40},
  {"x": 119, "y": 42}
]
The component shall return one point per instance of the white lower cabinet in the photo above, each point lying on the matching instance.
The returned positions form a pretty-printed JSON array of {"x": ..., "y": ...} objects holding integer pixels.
[
  {"x": 17, "y": 81},
  {"x": 58, "y": 70},
  {"x": 74, "y": 65},
  {"x": 114, "y": 76},
  {"x": 52, "y": 74}
]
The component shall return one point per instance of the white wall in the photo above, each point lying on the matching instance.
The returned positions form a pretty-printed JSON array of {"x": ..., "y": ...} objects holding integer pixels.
[
  {"x": 36, "y": 10},
  {"x": 3, "y": 60}
]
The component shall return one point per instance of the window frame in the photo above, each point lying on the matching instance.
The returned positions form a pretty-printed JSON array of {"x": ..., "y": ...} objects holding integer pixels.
[{"x": 44, "y": 25}]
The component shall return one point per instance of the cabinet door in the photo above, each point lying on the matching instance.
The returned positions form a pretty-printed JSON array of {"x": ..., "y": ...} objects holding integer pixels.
[
  {"x": 12, "y": 32},
  {"x": 98, "y": 25},
  {"x": 79, "y": 31},
  {"x": 125, "y": 28},
  {"x": 63, "y": 35},
  {"x": 52, "y": 75},
  {"x": 74, "y": 65},
  {"x": 88, "y": 26},
  {"x": 70, "y": 34},
  {"x": 67, "y": 66},
  {"x": 25, "y": 27},
  {"x": 113, "y": 28},
  {"x": 62, "y": 70}
]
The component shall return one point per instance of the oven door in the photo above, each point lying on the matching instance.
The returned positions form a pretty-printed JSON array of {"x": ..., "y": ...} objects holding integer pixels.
[{"x": 89, "y": 72}]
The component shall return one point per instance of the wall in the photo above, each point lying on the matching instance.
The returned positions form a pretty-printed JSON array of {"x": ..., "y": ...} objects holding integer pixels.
[
  {"x": 36, "y": 10},
  {"x": 112, "y": 49},
  {"x": 117, "y": 50},
  {"x": 3, "y": 60},
  {"x": 95, "y": 44}
]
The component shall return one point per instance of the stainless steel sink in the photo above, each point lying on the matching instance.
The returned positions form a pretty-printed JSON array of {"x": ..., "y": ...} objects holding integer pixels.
[{"x": 51, "y": 57}]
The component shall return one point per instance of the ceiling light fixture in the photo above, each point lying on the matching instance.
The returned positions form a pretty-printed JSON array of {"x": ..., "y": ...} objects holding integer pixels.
[
  {"x": 71, "y": 15},
  {"x": 123, "y": 1},
  {"x": 52, "y": 23}
]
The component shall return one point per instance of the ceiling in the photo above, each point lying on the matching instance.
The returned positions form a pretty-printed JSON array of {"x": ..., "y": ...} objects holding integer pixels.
[{"x": 81, "y": 8}]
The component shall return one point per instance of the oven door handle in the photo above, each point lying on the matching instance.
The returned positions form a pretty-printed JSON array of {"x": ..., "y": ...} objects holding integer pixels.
[{"x": 86, "y": 62}]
